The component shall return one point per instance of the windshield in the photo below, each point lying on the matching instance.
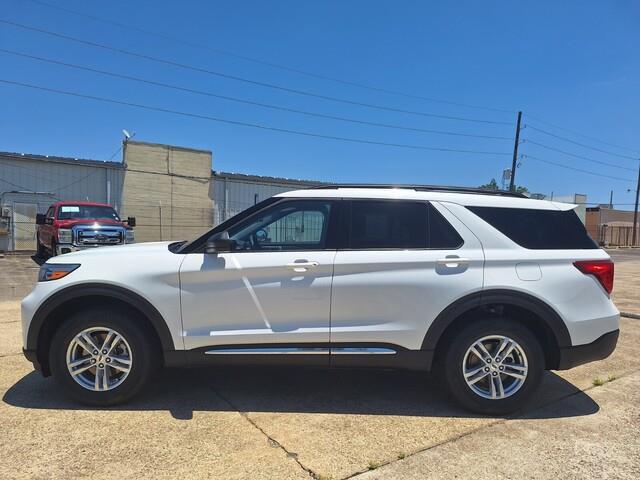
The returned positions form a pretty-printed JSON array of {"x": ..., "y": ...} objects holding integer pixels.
[{"x": 70, "y": 212}]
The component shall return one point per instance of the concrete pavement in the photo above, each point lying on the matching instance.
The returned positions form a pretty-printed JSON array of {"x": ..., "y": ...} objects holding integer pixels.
[{"x": 252, "y": 423}]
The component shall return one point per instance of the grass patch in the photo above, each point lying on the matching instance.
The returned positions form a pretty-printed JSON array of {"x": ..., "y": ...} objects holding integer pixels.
[
  {"x": 374, "y": 465},
  {"x": 402, "y": 455},
  {"x": 598, "y": 382}
]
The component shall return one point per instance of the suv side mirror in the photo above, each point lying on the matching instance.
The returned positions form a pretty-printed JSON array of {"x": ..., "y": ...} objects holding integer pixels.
[
  {"x": 41, "y": 219},
  {"x": 218, "y": 243},
  {"x": 131, "y": 221}
]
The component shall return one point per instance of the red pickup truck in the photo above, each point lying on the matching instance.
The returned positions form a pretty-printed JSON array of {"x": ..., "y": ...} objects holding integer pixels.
[{"x": 71, "y": 226}]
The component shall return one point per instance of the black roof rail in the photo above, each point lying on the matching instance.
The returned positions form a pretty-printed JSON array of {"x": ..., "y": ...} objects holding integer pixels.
[{"x": 424, "y": 188}]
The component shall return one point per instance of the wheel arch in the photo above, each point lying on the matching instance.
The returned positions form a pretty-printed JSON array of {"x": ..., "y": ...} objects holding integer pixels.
[
  {"x": 50, "y": 315},
  {"x": 540, "y": 317}
]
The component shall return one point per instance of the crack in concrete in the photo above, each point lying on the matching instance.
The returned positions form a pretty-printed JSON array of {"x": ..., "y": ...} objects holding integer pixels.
[
  {"x": 489, "y": 425},
  {"x": 10, "y": 355},
  {"x": 272, "y": 441}
]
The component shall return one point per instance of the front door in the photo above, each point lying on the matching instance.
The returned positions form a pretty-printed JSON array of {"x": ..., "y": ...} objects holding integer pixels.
[{"x": 272, "y": 292}]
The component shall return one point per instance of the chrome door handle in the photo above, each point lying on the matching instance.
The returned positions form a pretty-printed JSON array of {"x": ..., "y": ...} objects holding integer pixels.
[
  {"x": 452, "y": 262},
  {"x": 302, "y": 266}
]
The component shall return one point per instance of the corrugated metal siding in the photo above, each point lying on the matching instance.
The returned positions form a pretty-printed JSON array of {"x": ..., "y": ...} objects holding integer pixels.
[
  {"x": 32, "y": 184},
  {"x": 65, "y": 181},
  {"x": 231, "y": 196}
]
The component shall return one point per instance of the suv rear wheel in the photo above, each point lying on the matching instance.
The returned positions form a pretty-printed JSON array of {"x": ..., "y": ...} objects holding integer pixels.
[
  {"x": 102, "y": 357},
  {"x": 493, "y": 366}
]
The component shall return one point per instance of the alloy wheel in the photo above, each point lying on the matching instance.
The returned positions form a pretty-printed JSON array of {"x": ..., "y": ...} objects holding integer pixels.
[
  {"x": 99, "y": 359},
  {"x": 495, "y": 367}
]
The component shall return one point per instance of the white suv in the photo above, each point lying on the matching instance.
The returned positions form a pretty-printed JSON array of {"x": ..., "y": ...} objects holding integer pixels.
[{"x": 486, "y": 289}]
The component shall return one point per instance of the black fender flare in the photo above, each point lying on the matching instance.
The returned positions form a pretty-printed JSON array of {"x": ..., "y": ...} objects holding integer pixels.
[
  {"x": 101, "y": 290},
  {"x": 497, "y": 296}
]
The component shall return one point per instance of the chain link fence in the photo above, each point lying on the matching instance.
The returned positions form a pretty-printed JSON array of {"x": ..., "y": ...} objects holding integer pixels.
[{"x": 18, "y": 229}]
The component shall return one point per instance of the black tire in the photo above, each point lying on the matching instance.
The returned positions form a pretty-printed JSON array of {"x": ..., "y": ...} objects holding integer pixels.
[
  {"x": 145, "y": 355},
  {"x": 450, "y": 365}
]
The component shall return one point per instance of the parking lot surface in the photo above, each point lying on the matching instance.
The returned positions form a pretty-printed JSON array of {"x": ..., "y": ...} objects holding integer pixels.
[{"x": 256, "y": 423}]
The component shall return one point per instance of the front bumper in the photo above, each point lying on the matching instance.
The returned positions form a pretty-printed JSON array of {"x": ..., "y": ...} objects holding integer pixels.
[{"x": 597, "y": 350}]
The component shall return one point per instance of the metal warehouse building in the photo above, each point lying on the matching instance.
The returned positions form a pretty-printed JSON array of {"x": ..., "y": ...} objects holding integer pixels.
[{"x": 172, "y": 191}]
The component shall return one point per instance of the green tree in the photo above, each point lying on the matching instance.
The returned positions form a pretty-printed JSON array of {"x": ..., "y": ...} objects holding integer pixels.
[{"x": 493, "y": 185}]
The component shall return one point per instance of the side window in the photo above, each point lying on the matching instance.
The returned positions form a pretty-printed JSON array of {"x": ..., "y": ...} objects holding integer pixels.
[
  {"x": 538, "y": 229},
  {"x": 441, "y": 234},
  {"x": 50, "y": 212},
  {"x": 388, "y": 224},
  {"x": 292, "y": 225}
]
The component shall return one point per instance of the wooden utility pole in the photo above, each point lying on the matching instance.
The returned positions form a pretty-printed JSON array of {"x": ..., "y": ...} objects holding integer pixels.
[
  {"x": 512, "y": 184},
  {"x": 635, "y": 211}
]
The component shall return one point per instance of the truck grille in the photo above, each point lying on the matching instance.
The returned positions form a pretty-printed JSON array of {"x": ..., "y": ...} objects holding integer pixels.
[{"x": 97, "y": 235}]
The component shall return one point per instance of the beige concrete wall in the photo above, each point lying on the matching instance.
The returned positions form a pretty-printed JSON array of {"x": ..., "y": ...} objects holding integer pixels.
[
  {"x": 167, "y": 189},
  {"x": 612, "y": 227}
]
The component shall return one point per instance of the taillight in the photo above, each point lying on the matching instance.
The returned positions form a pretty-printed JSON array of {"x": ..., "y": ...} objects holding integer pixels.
[{"x": 602, "y": 270}]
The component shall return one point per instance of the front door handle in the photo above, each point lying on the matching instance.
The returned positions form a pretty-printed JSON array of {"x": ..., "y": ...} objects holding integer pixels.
[
  {"x": 302, "y": 265},
  {"x": 452, "y": 262}
]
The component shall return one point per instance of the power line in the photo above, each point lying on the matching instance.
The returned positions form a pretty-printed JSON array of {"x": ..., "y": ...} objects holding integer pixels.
[
  {"x": 537, "y": 159},
  {"x": 246, "y": 124},
  {"x": 270, "y": 64},
  {"x": 245, "y": 101},
  {"x": 532, "y": 142},
  {"x": 583, "y": 135},
  {"x": 578, "y": 143},
  {"x": 249, "y": 81}
]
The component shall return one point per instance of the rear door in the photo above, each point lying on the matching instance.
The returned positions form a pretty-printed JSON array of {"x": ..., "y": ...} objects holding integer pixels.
[{"x": 406, "y": 261}]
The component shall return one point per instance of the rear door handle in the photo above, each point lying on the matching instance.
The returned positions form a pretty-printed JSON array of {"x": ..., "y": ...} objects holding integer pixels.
[
  {"x": 302, "y": 266},
  {"x": 452, "y": 262}
]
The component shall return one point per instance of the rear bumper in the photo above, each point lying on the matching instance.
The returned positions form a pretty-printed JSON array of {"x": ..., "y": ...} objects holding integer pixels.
[{"x": 597, "y": 350}]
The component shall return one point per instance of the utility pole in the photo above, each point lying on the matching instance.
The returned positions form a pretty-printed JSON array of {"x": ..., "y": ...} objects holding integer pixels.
[
  {"x": 611, "y": 200},
  {"x": 635, "y": 212},
  {"x": 512, "y": 185}
]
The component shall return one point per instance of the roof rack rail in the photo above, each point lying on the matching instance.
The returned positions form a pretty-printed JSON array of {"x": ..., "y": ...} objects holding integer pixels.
[{"x": 424, "y": 188}]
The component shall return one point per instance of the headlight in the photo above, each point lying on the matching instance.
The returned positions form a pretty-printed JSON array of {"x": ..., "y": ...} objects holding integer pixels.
[
  {"x": 129, "y": 237},
  {"x": 52, "y": 271},
  {"x": 64, "y": 236}
]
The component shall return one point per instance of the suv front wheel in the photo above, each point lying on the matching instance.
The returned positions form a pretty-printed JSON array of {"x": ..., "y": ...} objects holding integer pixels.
[
  {"x": 102, "y": 356},
  {"x": 493, "y": 366}
]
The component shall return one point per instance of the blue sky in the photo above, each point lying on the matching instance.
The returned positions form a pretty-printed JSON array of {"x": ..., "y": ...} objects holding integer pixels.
[{"x": 574, "y": 64}]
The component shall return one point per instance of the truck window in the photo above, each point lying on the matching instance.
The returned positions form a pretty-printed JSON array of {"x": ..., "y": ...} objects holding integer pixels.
[{"x": 69, "y": 212}]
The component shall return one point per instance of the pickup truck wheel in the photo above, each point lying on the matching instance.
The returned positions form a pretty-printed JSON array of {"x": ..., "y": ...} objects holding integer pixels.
[
  {"x": 493, "y": 366},
  {"x": 102, "y": 357}
]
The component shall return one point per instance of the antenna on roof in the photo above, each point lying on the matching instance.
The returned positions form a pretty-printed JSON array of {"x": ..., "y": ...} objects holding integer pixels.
[{"x": 127, "y": 136}]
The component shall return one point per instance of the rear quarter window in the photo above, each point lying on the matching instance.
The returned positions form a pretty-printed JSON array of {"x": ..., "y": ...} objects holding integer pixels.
[{"x": 538, "y": 229}]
